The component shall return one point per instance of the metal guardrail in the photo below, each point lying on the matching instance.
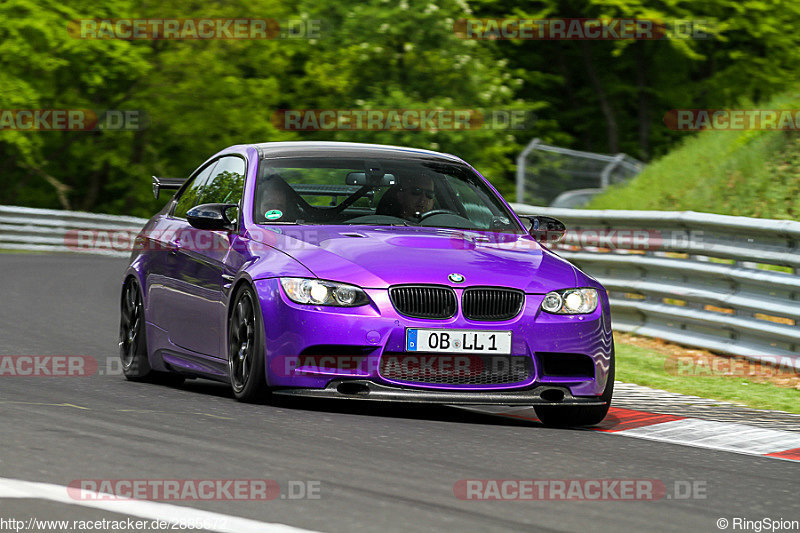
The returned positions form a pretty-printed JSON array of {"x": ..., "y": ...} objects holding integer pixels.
[
  {"x": 724, "y": 283},
  {"x": 48, "y": 230},
  {"x": 697, "y": 279}
]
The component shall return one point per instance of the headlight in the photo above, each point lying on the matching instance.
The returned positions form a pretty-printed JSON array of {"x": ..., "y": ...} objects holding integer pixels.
[
  {"x": 570, "y": 301},
  {"x": 318, "y": 292}
]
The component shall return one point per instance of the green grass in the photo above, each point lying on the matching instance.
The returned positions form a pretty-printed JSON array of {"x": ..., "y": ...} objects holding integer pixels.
[
  {"x": 15, "y": 251},
  {"x": 745, "y": 173},
  {"x": 646, "y": 367},
  {"x": 776, "y": 268}
]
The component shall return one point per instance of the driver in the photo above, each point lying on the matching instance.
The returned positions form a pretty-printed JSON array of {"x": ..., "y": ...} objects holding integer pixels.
[{"x": 415, "y": 196}]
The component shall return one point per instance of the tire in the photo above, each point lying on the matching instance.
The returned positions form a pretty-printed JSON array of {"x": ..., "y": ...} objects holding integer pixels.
[
  {"x": 553, "y": 416},
  {"x": 133, "y": 340},
  {"x": 246, "y": 348}
]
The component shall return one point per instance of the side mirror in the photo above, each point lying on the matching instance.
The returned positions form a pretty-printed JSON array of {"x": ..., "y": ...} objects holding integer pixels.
[
  {"x": 211, "y": 216},
  {"x": 545, "y": 229}
]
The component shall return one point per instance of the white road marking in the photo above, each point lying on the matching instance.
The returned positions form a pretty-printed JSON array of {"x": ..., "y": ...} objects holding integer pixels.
[
  {"x": 695, "y": 432},
  {"x": 174, "y": 514},
  {"x": 718, "y": 435}
]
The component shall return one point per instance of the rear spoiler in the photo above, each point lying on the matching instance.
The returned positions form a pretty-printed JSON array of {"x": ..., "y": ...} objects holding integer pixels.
[{"x": 163, "y": 184}]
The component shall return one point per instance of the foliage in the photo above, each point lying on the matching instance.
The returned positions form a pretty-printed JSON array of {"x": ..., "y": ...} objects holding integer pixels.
[
  {"x": 203, "y": 95},
  {"x": 745, "y": 173}
]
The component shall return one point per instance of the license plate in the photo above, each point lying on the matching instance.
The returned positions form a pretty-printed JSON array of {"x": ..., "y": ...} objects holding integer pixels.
[{"x": 458, "y": 341}]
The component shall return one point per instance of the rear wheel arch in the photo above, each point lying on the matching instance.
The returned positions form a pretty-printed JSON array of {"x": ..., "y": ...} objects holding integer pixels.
[{"x": 138, "y": 367}]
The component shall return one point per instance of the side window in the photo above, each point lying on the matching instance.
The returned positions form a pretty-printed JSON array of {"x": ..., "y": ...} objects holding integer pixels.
[
  {"x": 226, "y": 184},
  {"x": 190, "y": 196}
]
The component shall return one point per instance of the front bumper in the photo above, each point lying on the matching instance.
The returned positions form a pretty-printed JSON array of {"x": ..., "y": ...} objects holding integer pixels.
[
  {"x": 374, "y": 331},
  {"x": 369, "y": 390}
]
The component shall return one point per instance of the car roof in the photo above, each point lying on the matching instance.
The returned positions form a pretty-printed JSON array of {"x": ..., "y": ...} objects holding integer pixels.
[{"x": 344, "y": 149}]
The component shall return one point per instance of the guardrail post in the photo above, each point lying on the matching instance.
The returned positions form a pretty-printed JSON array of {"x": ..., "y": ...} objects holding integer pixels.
[{"x": 604, "y": 176}]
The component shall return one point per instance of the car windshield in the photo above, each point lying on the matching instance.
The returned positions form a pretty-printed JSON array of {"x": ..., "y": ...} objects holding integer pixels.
[{"x": 422, "y": 192}]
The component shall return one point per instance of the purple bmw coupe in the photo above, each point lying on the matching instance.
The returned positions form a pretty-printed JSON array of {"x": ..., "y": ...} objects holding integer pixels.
[{"x": 369, "y": 272}]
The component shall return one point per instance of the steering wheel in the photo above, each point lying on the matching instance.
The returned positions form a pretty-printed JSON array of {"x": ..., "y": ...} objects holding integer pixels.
[{"x": 427, "y": 214}]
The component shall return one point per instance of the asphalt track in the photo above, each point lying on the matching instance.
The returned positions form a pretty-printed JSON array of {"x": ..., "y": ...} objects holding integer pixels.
[{"x": 390, "y": 468}]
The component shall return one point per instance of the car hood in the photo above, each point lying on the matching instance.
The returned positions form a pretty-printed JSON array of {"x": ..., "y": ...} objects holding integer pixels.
[{"x": 378, "y": 257}]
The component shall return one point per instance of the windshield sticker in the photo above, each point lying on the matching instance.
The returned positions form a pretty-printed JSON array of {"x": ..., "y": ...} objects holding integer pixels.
[{"x": 273, "y": 214}]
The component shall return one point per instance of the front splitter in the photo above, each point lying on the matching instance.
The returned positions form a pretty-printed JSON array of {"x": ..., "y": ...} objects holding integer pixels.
[{"x": 369, "y": 390}]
